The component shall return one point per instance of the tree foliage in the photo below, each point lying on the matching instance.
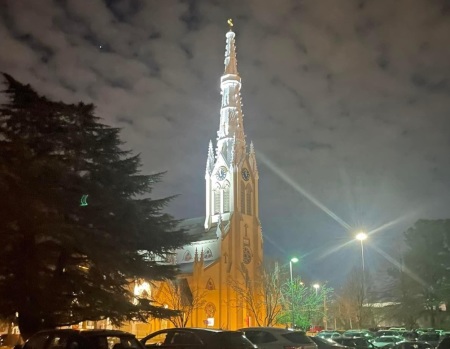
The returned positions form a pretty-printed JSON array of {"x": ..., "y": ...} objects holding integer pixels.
[
  {"x": 62, "y": 263},
  {"x": 304, "y": 305},
  {"x": 420, "y": 283}
]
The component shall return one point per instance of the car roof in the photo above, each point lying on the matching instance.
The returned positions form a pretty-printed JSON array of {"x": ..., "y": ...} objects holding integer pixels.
[
  {"x": 89, "y": 332},
  {"x": 199, "y": 329},
  {"x": 272, "y": 329}
]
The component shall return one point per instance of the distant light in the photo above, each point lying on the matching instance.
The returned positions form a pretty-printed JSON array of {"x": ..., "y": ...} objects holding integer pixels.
[
  {"x": 83, "y": 201},
  {"x": 100, "y": 46},
  {"x": 294, "y": 259},
  {"x": 361, "y": 236}
]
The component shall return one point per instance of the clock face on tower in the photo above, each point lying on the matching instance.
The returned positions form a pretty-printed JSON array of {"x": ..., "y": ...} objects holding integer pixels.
[
  {"x": 247, "y": 255},
  {"x": 221, "y": 173},
  {"x": 245, "y": 174}
]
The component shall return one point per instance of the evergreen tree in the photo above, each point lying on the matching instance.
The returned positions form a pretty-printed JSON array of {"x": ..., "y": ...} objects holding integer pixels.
[
  {"x": 76, "y": 223},
  {"x": 427, "y": 261}
]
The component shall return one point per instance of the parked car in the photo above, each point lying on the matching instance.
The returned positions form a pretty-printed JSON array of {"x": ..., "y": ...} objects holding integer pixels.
[
  {"x": 410, "y": 335},
  {"x": 276, "y": 338},
  {"x": 430, "y": 337},
  {"x": 197, "y": 338},
  {"x": 413, "y": 345},
  {"x": 328, "y": 335},
  {"x": 357, "y": 342},
  {"x": 358, "y": 333},
  {"x": 387, "y": 333},
  {"x": 89, "y": 339},
  {"x": 323, "y": 343},
  {"x": 444, "y": 343},
  {"x": 386, "y": 341}
]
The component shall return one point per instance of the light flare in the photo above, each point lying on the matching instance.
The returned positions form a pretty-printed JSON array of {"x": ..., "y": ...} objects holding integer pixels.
[{"x": 302, "y": 191}]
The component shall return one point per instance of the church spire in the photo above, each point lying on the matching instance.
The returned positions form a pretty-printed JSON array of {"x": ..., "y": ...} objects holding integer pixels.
[
  {"x": 230, "y": 52},
  {"x": 231, "y": 137},
  {"x": 210, "y": 160}
]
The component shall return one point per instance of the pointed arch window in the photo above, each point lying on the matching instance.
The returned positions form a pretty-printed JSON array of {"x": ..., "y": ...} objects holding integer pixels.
[
  {"x": 207, "y": 253},
  {"x": 249, "y": 201},
  {"x": 210, "y": 285},
  {"x": 187, "y": 256},
  {"x": 226, "y": 199},
  {"x": 216, "y": 201},
  {"x": 242, "y": 198}
]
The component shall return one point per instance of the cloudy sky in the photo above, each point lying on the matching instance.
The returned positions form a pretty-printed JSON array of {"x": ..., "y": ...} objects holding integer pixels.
[{"x": 347, "y": 103}]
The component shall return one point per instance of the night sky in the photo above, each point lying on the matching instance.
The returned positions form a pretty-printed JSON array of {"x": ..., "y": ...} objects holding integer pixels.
[{"x": 347, "y": 103}]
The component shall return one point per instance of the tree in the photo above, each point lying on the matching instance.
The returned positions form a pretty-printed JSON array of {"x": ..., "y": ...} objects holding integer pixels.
[
  {"x": 179, "y": 297},
  {"x": 353, "y": 300},
  {"x": 261, "y": 297},
  {"x": 304, "y": 305},
  {"x": 421, "y": 283},
  {"x": 63, "y": 260}
]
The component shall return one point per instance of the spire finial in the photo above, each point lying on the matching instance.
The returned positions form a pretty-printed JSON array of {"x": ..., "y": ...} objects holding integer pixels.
[{"x": 230, "y": 24}]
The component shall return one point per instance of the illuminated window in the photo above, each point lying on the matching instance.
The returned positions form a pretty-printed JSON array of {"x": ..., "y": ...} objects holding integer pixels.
[
  {"x": 210, "y": 285},
  {"x": 226, "y": 199},
  {"x": 242, "y": 199},
  {"x": 207, "y": 253},
  {"x": 249, "y": 201},
  {"x": 187, "y": 256},
  {"x": 216, "y": 201}
]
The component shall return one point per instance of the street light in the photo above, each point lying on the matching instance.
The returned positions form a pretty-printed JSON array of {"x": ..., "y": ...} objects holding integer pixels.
[
  {"x": 316, "y": 286},
  {"x": 293, "y": 260},
  {"x": 361, "y": 236}
]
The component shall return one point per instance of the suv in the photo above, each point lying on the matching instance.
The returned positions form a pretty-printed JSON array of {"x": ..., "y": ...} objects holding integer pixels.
[
  {"x": 275, "y": 338},
  {"x": 89, "y": 339},
  {"x": 197, "y": 338}
]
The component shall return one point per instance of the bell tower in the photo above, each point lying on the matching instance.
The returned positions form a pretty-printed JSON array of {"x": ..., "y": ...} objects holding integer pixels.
[{"x": 231, "y": 172}]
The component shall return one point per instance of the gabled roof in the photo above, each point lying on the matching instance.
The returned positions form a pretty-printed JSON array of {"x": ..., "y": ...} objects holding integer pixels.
[{"x": 195, "y": 226}]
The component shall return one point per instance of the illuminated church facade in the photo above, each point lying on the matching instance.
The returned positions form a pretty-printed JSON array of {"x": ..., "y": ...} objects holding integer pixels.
[{"x": 230, "y": 243}]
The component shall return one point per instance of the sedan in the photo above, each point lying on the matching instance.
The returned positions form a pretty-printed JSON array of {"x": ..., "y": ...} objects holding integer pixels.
[
  {"x": 329, "y": 335},
  {"x": 386, "y": 341},
  {"x": 328, "y": 344},
  {"x": 196, "y": 338},
  {"x": 358, "y": 343},
  {"x": 413, "y": 345},
  {"x": 276, "y": 338}
]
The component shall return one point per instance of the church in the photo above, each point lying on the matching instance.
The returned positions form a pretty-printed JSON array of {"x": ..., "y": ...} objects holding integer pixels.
[{"x": 230, "y": 243}]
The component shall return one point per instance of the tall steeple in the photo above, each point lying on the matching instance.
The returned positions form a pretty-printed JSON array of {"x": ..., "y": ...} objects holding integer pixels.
[
  {"x": 231, "y": 137},
  {"x": 231, "y": 175}
]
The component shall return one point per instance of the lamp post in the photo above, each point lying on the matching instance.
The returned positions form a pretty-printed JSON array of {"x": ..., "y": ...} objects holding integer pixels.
[
  {"x": 316, "y": 286},
  {"x": 361, "y": 236},
  {"x": 293, "y": 260}
]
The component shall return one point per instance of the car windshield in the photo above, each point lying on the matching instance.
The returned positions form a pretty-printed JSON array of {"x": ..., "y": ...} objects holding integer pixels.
[{"x": 297, "y": 337}]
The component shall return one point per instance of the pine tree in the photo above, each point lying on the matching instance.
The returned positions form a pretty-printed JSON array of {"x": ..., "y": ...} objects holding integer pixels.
[{"x": 76, "y": 221}]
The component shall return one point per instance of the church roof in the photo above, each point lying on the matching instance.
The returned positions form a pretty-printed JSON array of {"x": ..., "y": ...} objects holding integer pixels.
[
  {"x": 188, "y": 268},
  {"x": 195, "y": 226}
]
